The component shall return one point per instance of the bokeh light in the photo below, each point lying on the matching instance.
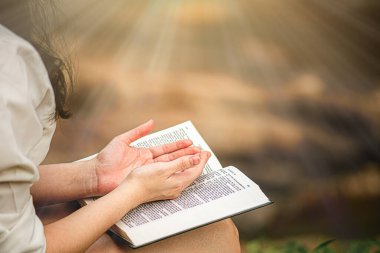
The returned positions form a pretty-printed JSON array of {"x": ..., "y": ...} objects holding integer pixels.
[{"x": 288, "y": 91}]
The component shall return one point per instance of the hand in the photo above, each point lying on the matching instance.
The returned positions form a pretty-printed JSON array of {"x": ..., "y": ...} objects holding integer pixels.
[
  {"x": 165, "y": 180},
  {"x": 118, "y": 158}
]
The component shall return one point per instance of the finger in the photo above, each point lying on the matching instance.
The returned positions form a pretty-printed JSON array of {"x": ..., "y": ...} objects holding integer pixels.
[
  {"x": 170, "y": 147},
  {"x": 180, "y": 164},
  {"x": 137, "y": 132},
  {"x": 177, "y": 154},
  {"x": 188, "y": 176}
]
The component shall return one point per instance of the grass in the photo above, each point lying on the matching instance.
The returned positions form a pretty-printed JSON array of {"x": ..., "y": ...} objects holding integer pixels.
[{"x": 329, "y": 246}]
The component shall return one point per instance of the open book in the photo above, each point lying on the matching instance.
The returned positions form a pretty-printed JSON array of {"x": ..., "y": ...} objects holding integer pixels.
[{"x": 217, "y": 194}]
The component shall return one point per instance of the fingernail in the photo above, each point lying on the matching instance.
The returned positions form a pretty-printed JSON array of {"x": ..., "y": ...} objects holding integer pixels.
[{"x": 196, "y": 159}]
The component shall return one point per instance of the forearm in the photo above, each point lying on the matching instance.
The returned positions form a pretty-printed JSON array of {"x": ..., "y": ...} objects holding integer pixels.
[
  {"x": 156, "y": 181},
  {"x": 76, "y": 232},
  {"x": 64, "y": 182}
]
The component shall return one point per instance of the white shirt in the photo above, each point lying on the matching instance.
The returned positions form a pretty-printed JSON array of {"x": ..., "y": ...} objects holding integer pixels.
[{"x": 26, "y": 127}]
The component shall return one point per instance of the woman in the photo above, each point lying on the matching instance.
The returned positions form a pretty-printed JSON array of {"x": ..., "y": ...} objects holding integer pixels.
[{"x": 32, "y": 96}]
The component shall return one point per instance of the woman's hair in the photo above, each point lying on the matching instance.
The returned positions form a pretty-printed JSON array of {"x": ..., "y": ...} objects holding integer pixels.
[{"x": 33, "y": 21}]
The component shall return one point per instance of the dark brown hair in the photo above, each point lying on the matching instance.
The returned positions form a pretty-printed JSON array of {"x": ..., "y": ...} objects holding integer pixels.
[{"x": 32, "y": 21}]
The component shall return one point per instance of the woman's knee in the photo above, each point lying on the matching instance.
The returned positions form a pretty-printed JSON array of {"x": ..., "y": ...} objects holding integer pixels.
[
  {"x": 218, "y": 237},
  {"x": 232, "y": 228},
  {"x": 231, "y": 234}
]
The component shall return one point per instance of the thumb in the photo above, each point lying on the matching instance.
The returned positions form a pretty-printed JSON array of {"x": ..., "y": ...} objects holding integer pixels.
[
  {"x": 137, "y": 132},
  {"x": 188, "y": 176}
]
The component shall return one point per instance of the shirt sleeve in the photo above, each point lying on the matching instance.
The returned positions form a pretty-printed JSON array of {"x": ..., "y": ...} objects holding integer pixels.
[{"x": 20, "y": 131}]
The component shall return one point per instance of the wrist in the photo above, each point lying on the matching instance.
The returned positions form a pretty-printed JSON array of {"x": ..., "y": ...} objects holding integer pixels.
[
  {"x": 133, "y": 191},
  {"x": 89, "y": 177}
]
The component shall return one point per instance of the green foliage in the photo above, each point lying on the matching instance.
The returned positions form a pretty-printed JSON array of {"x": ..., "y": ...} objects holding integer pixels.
[
  {"x": 363, "y": 246},
  {"x": 294, "y": 247},
  {"x": 323, "y": 247},
  {"x": 253, "y": 247},
  {"x": 329, "y": 246}
]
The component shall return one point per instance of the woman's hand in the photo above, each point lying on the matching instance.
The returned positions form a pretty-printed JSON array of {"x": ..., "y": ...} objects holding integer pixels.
[
  {"x": 161, "y": 180},
  {"x": 165, "y": 180},
  {"x": 118, "y": 158}
]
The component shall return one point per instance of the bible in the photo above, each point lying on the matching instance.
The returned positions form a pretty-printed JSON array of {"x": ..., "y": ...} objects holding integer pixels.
[{"x": 217, "y": 194}]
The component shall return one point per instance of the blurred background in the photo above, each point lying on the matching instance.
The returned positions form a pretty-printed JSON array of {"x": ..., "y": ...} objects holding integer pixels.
[{"x": 287, "y": 91}]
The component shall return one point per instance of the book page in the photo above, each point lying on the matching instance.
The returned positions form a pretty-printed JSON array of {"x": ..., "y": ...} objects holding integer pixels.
[
  {"x": 213, "y": 196},
  {"x": 182, "y": 131}
]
